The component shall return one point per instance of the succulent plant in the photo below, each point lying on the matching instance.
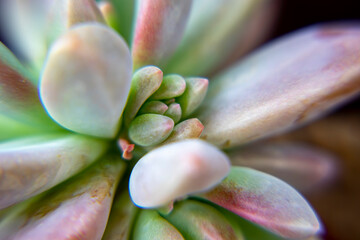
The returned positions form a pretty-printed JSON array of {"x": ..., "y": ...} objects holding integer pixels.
[{"x": 110, "y": 128}]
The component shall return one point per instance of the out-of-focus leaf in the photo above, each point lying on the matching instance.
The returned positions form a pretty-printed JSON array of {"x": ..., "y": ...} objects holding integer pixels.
[
  {"x": 32, "y": 165},
  {"x": 303, "y": 167},
  {"x": 158, "y": 30},
  {"x": 285, "y": 84},
  {"x": 19, "y": 101},
  {"x": 214, "y": 29},
  {"x": 79, "y": 208}
]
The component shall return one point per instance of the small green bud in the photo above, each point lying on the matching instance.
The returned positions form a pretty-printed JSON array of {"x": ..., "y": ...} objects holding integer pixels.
[
  {"x": 143, "y": 84},
  {"x": 173, "y": 85},
  {"x": 193, "y": 96},
  {"x": 174, "y": 112},
  {"x": 190, "y": 128},
  {"x": 156, "y": 107},
  {"x": 150, "y": 129}
]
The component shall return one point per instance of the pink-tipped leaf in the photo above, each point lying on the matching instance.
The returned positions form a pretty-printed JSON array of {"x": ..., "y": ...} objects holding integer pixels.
[
  {"x": 283, "y": 85},
  {"x": 78, "y": 209},
  {"x": 158, "y": 30},
  {"x": 267, "y": 201}
]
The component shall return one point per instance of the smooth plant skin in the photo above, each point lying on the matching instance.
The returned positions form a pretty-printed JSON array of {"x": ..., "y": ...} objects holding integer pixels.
[{"x": 110, "y": 128}]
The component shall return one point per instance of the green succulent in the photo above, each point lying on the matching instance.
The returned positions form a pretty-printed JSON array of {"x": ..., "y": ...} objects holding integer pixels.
[{"x": 110, "y": 128}]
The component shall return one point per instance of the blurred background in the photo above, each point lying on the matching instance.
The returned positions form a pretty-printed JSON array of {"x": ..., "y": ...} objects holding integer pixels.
[{"x": 338, "y": 205}]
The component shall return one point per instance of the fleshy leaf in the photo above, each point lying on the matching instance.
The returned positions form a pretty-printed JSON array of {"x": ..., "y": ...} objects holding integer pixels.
[
  {"x": 150, "y": 129},
  {"x": 174, "y": 112},
  {"x": 80, "y": 11},
  {"x": 124, "y": 13},
  {"x": 214, "y": 29},
  {"x": 159, "y": 28},
  {"x": 156, "y": 107},
  {"x": 77, "y": 209},
  {"x": 19, "y": 101},
  {"x": 258, "y": 26},
  {"x": 193, "y": 96},
  {"x": 303, "y": 167},
  {"x": 86, "y": 80},
  {"x": 144, "y": 83},
  {"x": 122, "y": 216},
  {"x": 150, "y": 225},
  {"x": 11, "y": 128},
  {"x": 172, "y": 86},
  {"x": 267, "y": 201},
  {"x": 34, "y": 26},
  {"x": 32, "y": 165},
  {"x": 196, "y": 220},
  {"x": 190, "y": 128},
  {"x": 248, "y": 229},
  {"x": 283, "y": 85},
  {"x": 108, "y": 12},
  {"x": 175, "y": 170}
]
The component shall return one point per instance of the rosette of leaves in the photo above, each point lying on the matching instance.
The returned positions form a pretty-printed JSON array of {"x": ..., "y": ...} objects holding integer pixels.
[{"x": 110, "y": 128}]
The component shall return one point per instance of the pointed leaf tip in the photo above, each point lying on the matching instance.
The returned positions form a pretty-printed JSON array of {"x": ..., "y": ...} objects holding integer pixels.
[{"x": 267, "y": 201}]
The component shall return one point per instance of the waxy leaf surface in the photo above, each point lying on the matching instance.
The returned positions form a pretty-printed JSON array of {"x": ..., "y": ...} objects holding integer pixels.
[
  {"x": 158, "y": 30},
  {"x": 86, "y": 80},
  {"x": 34, "y": 25},
  {"x": 19, "y": 101},
  {"x": 122, "y": 216},
  {"x": 285, "y": 84},
  {"x": 175, "y": 170},
  {"x": 214, "y": 29},
  {"x": 150, "y": 225},
  {"x": 77, "y": 209},
  {"x": 267, "y": 201},
  {"x": 196, "y": 220},
  {"x": 32, "y": 165}
]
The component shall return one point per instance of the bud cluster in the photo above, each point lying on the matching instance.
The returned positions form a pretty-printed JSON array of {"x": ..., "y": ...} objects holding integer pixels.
[{"x": 158, "y": 106}]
